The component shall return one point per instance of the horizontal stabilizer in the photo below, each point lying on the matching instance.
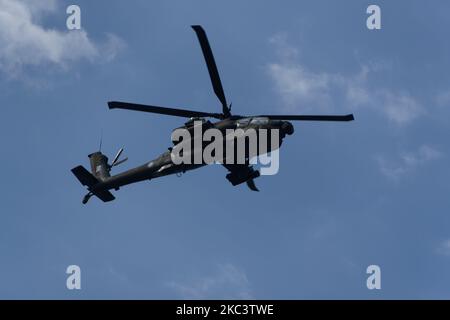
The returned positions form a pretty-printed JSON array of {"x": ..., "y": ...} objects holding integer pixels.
[
  {"x": 104, "y": 195},
  {"x": 85, "y": 177}
]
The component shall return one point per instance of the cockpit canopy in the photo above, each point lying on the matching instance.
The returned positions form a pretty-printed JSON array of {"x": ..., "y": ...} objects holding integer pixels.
[
  {"x": 256, "y": 121},
  {"x": 191, "y": 121}
]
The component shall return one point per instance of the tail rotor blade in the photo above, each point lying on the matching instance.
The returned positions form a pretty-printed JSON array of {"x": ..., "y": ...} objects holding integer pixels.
[
  {"x": 119, "y": 162},
  {"x": 114, "y": 162}
]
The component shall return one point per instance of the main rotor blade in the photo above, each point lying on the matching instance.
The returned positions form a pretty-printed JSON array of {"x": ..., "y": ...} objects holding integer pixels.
[
  {"x": 348, "y": 117},
  {"x": 162, "y": 110},
  {"x": 212, "y": 68}
]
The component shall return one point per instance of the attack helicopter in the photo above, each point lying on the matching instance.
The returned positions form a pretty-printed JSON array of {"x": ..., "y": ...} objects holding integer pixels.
[{"x": 99, "y": 180}]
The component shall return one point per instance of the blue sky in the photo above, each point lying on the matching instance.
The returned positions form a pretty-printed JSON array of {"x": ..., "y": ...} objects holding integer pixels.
[{"x": 374, "y": 191}]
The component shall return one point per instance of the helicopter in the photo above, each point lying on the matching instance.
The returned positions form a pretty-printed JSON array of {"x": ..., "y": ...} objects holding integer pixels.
[{"x": 99, "y": 181}]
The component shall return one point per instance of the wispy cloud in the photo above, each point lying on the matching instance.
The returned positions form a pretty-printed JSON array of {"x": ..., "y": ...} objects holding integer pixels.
[
  {"x": 25, "y": 43},
  {"x": 227, "y": 282},
  {"x": 306, "y": 90},
  {"x": 444, "y": 248},
  {"x": 401, "y": 108},
  {"x": 443, "y": 98},
  {"x": 406, "y": 162},
  {"x": 298, "y": 86},
  {"x": 283, "y": 49}
]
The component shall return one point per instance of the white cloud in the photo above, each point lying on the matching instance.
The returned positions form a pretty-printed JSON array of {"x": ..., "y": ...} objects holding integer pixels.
[
  {"x": 24, "y": 42},
  {"x": 444, "y": 248},
  {"x": 355, "y": 87},
  {"x": 283, "y": 48},
  {"x": 400, "y": 108},
  {"x": 38, "y": 7},
  {"x": 111, "y": 47},
  {"x": 407, "y": 162},
  {"x": 297, "y": 86},
  {"x": 306, "y": 90},
  {"x": 443, "y": 98},
  {"x": 228, "y": 282}
]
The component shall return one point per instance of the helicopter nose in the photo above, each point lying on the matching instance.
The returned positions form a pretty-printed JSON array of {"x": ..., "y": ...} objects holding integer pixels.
[{"x": 287, "y": 128}]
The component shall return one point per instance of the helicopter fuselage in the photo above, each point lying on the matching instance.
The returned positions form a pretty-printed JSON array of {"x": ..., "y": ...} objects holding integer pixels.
[{"x": 164, "y": 165}]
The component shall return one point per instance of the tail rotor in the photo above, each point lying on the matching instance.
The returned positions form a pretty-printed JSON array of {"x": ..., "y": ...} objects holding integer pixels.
[{"x": 116, "y": 160}]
